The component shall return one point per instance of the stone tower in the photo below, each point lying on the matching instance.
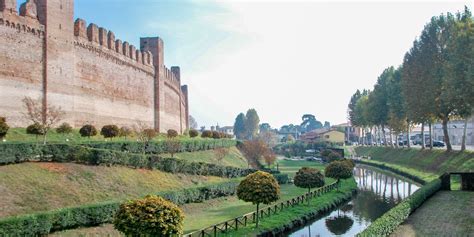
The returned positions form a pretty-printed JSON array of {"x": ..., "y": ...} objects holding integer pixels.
[{"x": 58, "y": 18}]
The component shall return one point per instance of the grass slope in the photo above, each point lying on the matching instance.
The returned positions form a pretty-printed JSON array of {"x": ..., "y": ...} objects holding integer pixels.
[
  {"x": 445, "y": 214},
  {"x": 30, "y": 187},
  {"x": 429, "y": 161}
]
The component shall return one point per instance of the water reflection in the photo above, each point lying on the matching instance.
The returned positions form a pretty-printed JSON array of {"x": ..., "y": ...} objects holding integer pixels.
[{"x": 377, "y": 193}]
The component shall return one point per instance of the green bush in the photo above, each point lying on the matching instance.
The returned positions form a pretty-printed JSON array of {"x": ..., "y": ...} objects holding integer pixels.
[
  {"x": 193, "y": 133},
  {"x": 206, "y": 134},
  {"x": 34, "y": 129},
  {"x": 309, "y": 178},
  {"x": 338, "y": 170},
  {"x": 281, "y": 178},
  {"x": 64, "y": 128},
  {"x": 386, "y": 224},
  {"x": 91, "y": 215},
  {"x": 216, "y": 135},
  {"x": 171, "y": 133},
  {"x": 3, "y": 127},
  {"x": 88, "y": 131},
  {"x": 149, "y": 216},
  {"x": 110, "y": 131}
]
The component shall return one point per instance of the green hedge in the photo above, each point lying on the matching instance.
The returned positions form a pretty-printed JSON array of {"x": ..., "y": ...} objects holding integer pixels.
[
  {"x": 20, "y": 152},
  {"x": 92, "y": 156},
  {"x": 159, "y": 147},
  {"x": 92, "y": 215},
  {"x": 386, "y": 224},
  {"x": 281, "y": 178}
]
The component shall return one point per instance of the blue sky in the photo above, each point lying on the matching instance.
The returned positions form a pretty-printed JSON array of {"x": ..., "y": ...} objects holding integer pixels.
[{"x": 284, "y": 58}]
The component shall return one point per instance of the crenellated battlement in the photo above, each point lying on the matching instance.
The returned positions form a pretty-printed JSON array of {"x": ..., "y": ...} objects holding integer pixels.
[
  {"x": 85, "y": 69},
  {"x": 101, "y": 37},
  {"x": 21, "y": 24}
]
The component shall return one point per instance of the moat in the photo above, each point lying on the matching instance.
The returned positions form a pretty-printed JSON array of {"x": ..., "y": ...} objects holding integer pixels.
[{"x": 377, "y": 192}]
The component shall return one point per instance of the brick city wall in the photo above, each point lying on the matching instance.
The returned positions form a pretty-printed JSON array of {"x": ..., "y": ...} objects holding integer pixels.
[{"x": 93, "y": 76}]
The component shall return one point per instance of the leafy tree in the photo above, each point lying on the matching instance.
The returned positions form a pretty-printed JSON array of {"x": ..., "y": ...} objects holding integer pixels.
[
  {"x": 310, "y": 123},
  {"x": 239, "y": 126},
  {"x": 269, "y": 158},
  {"x": 257, "y": 188},
  {"x": 309, "y": 178},
  {"x": 221, "y": 153},
  {"x": 64, "y": 128},
  {"x": 352, "y": 113},
  {"x": 338, "y": 170},
  {"x": 125, "y": 132},
  {"x": 150, "y": 216},
  {"x": 193, "y": 133},
  {"x": 192, "y": 122},
  {"x": 44, "y": 115},
  {"x": 3, "y": 127},
  {"x": 171, "y": 133},
  {"x": 290, "y": 138},
  {"x": 397, "y": 120},
  {"x": 327, "y": 125},
  {"x": 269, "y": 137},
  {"x": 216, "y": 135},
  {"x": 265, "y": 127},
  {"x": 173, "y": 146},
  {"x": 251, "y": 124},
  {"x": 88, "y": 131},
  {"x": 254, "y": 150},
  {"x": 110, "y": 131}
]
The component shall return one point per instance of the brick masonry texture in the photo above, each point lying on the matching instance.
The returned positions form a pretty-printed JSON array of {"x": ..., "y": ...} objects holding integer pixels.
[{"x": 92, "y": 75}]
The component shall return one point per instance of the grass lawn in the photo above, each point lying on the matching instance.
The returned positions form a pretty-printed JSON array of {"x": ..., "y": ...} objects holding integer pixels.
[
  {"x": 31, "y": 187},
  {"x": 445, "y": 214},
  {"x": 200, "y": 215},
  {"x": 234, "y": 158}
]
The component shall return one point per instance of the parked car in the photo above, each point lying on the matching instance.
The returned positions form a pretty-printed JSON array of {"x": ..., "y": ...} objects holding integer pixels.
[
  {"x": 438, "y": 144},
  {"x": 314, "y": 159}
]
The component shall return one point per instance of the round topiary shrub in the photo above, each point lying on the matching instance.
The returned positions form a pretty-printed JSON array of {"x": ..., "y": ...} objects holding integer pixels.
[
  {"x": 259, "y": 187},
  {"x": 216, "y": 135},
  {"x": 34, "y": 129},
  {"x": 150, "y": 216},
  {"x": 171, "y": 133},
  {"x": 350, "y": 163},
  {"x": 110, "y": 131},
  {"x": 309, "y": 178},
  {"x": 64, "y": 128},
  {"x": 3, "y": 127},
  {"x": 125, "y": 132},
  {"x": 206, "y": 134},
  {"x": 193, "y": 133},
  {"x": 338, "y": 170},
  {"x": 88, "y": 131},
  {"x": 333, "y": 156}
]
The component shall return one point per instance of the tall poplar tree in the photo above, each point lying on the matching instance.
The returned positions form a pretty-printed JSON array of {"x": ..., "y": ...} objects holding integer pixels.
[
  {"x": 239, "y": 126},
  {"x": 252, "y": 122}
]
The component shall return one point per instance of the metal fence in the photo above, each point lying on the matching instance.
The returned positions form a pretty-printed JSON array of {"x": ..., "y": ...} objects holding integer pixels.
[{"x": 243, "y": 221}]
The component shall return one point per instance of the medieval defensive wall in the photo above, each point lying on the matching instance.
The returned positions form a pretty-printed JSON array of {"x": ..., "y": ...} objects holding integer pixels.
[{"x": 83, "y": 68}]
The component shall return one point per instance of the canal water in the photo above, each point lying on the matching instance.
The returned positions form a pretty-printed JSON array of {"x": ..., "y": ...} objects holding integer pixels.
[{"x": 377, "y": 193}]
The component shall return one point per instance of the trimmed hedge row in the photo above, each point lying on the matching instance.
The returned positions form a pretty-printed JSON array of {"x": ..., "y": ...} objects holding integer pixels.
[
  {"x": 159, "y": 147},
  {"x": 92, "y": 215},
  {"x": 20, "y": 152},
  {"x": 386, "y": 224},
  {"x": 92, "y": 156}
]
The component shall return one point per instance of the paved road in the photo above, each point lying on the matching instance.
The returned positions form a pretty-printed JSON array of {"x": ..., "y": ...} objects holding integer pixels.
[{"x": 456, "y": 148}]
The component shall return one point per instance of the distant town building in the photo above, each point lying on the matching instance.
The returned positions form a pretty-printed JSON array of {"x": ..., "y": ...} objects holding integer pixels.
[
  {"x": 324, "y": 135},
  {"x": 229, "y": 130},
  {"x": 455, "y": 131}
]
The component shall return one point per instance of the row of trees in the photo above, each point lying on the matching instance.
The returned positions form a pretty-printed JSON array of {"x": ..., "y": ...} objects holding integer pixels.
[
  {"x": 246, "y": 125},
  {"x": 434, "y": 83}
]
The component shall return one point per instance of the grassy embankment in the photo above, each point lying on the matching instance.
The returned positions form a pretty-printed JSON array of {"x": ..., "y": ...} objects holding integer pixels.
[
  {"x": 200, "y": 215},
  {"x": 426, "y": 164},
  {"x": 445, "y": 214}
]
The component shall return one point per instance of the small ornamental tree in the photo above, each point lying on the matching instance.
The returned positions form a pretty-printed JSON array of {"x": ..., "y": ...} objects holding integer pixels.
[
  {"x": 88, "y": 131},
  {"x": 43, "y": 114},
  {"x": 338, "y": 170},
  {"x": 173, "y": 146},
  {"x": 259, "y": 187},
  {"x": 221, "y": 153},
  {"x": 3, "y": 127},
  {"x": 269, "y": 158},
  {"x": 35, "y": 129},
  {"x": 150, "y": 216},
  {"x": 309, "y": 178},
  {"x": 206, "y": 134},
  {"x": 110, "y": 131},
  {"x": 64, "y": 128},
  {"x": 172, "y": 133},
  {"x": 125, "y": 132},
  {"x": 144, "y": 134},
  {"x": 193, "y": 133}
]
